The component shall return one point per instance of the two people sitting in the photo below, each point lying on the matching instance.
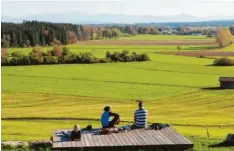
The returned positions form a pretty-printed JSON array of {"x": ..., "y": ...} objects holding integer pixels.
[
  {"x": 140, "y": 117},
  {"x": 140, "y": 121}
]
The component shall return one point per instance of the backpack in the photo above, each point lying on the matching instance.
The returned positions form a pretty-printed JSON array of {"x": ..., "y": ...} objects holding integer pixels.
[{"x": 158, "y": 126}]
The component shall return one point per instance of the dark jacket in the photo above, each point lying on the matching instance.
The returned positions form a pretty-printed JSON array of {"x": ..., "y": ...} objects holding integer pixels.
[{"x": 75, "y": 135}]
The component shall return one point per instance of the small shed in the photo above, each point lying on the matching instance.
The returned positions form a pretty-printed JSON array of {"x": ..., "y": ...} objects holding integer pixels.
[{"x": 226, "y": 82}]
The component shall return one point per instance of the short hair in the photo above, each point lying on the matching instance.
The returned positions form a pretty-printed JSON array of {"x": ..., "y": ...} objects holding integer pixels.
[
  {"x": 107, "y": 108},
  {"x": 76, "y": 125},
  {"x": 140, "y": 103}
]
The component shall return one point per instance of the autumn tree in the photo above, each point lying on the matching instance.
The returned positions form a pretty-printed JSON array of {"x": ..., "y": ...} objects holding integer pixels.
[
  {"x": 3, "y": 52},
  {"x": 223, "y": 37},
  {"x": 72, "y": 38}
]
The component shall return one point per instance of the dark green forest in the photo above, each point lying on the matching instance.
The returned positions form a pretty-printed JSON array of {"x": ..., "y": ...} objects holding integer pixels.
[{"x": 33, "y": 33}]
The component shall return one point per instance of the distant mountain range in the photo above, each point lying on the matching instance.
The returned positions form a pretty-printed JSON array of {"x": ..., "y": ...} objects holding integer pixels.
[{"x": 86, "y": 18}]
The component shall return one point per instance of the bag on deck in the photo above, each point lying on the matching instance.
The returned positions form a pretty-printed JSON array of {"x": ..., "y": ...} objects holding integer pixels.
[{"x": 158, "y": 126}]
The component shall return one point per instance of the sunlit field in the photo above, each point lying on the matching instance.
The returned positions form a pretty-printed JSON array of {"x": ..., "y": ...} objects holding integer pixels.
[
  {"x": 166, "y": 37},
  {"x": 177, "y": 90}
]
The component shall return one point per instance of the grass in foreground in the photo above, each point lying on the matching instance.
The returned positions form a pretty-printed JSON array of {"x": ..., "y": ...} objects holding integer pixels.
[
  {"x": 170, "y": 85},
  {"x": 191, "y": 117}
]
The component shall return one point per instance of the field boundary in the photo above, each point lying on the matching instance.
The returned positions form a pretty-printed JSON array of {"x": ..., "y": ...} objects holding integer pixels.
[
  {"x": 96, "y": 119},
  {"x": 208, "y": 53},
  {"x": 109, "y": 81},
  {"x": 149, "y": 42}
]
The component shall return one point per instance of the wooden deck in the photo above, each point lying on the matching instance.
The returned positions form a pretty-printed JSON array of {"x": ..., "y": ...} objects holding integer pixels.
[{"x": 147, "y": 139}]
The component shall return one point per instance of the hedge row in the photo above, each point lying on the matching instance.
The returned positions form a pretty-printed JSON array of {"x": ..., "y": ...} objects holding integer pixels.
[
  {"x": 223, "y": 62},
  {"x": 36, "y": 58}
]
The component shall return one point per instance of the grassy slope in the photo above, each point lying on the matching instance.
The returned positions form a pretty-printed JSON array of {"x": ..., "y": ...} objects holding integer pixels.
[
  {"x": 165, "y": 75},
  {"x": 170, "y": 85}
]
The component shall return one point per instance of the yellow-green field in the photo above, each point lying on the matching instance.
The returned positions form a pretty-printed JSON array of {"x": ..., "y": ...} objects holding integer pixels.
[
  {"x": 177, "y": 90},
  {"x": 166, "y": 37}
]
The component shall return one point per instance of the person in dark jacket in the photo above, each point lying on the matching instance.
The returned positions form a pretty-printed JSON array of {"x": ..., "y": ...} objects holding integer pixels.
[
  {"x": 106, "y": 118},
  {"x": 76, "y": 134}
]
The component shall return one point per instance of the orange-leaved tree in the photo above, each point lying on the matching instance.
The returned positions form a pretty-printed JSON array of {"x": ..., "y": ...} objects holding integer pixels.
[{"x": 223, "y": 37}]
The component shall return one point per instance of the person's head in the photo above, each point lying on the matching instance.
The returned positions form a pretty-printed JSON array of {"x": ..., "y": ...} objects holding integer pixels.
[
  {"x": 140, "y": 104},
  {"x": 76, "y": 127},
  {"x": 107, "y": 108}
]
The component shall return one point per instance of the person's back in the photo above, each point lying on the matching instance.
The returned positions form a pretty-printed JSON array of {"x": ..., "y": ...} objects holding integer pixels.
[
  {"x": 105, "y": 119},
  {"x": 141, "y": 116}
]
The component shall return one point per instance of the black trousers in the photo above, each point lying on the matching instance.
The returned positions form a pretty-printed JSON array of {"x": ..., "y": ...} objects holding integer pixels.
[{"x": 114, "y": 121}]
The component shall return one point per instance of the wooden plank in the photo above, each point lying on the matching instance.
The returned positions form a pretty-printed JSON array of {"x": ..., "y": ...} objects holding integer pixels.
[
  {"x": 86, "y": 141},
  {"x": 116, "y": 139},
  {"x": 165, "y": 139},
  {"x": 151, "y": 140},
  {"x": 172, "y": 136},
  {"x": 157, "y": 136},
  {"x": 74, "y": 144},
  {"x": 104, "y": 140},
  {"x": 58, "y": 143},
  {"x": 55, "y": 137},
  {"x": 176, "y": 136},
  {"x": 122, "y": 140},
  {"x": 181, "y": 136},
  {"x": 124, "y": 136},
  {"x": 139, "y": 138},
  {"x": 129, "y": 138},
  {"x": 132, "y": 134},
  {"x": 111, "y": 140},
  {"x": 97, "y": 140}
]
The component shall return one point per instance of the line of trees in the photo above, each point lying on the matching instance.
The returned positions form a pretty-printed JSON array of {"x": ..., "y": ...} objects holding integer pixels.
[
  {"x": 33, "y": 33},
  {"x": 62, "y": 55},
  {"x": 134, "y": 30}
]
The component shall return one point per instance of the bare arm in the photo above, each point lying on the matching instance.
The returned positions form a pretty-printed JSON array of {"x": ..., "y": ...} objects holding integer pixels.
[{"x": 114, "y": 114}]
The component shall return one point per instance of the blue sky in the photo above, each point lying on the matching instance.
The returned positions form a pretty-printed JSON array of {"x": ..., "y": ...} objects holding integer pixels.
[{"x": 200, "y": 8}]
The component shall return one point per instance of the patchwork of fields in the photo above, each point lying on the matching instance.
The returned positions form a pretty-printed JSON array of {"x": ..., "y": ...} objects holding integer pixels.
[{"x": 176, "y": 90}]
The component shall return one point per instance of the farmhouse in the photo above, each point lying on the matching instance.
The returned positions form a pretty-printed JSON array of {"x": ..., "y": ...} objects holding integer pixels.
[
  {"x": 227, "y": 82},
  {"x": 174, "y": 30},
  {"x": 196, "y": 33},
  {"x": 165, "y": 30}
]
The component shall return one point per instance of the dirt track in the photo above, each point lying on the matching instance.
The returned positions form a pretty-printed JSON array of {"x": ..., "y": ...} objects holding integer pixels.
[
  {"x": 203, "y": 53},
  {"x": 148, "y": 42}
]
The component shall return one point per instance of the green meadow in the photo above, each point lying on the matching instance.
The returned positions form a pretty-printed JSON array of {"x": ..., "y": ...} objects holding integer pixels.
[
  {"x": 166, "y": 37},
  {"x": 100, "y": 50},
  {"x": 176, "y": 90}
]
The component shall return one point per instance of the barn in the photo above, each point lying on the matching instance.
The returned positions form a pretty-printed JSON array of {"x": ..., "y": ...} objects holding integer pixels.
[{"x": 226, "y": 82}]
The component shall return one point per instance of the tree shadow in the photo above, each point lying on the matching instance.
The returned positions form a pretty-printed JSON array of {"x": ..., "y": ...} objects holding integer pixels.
[
  {"x": 222, "y": 144},
  {"x": 212, "y": 88},
  {"x": 212, "y": 65}
]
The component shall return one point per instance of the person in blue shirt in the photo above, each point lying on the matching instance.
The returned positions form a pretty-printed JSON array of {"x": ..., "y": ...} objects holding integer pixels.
[{"x": 106, "y": 118}]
